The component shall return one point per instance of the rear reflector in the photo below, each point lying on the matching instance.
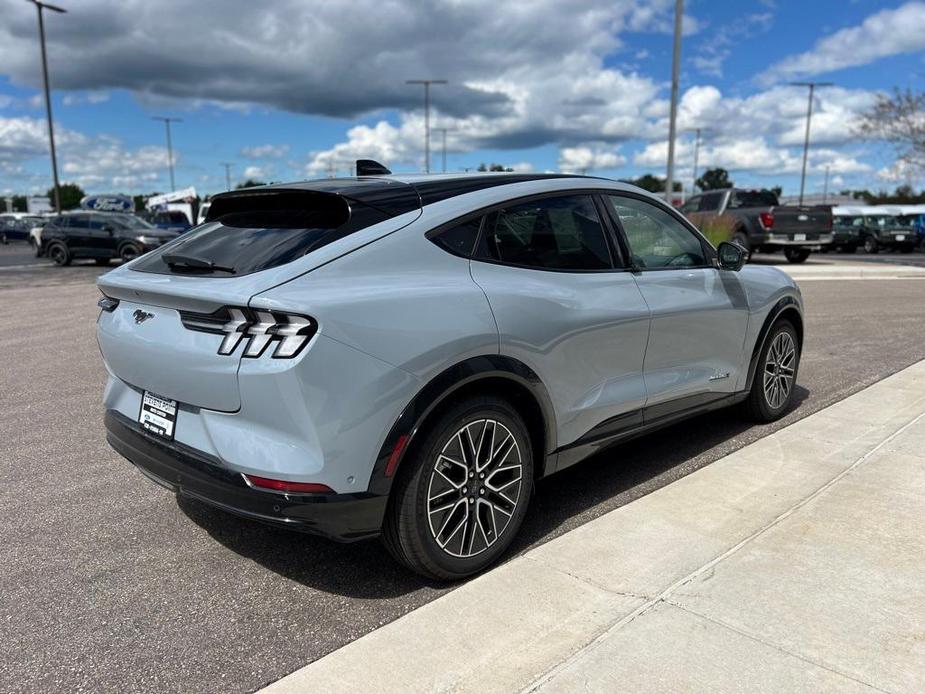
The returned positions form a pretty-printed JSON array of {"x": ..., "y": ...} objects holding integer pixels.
[
  {"x": 283, "y": 486},
  {"x": 396, "y": 455}
]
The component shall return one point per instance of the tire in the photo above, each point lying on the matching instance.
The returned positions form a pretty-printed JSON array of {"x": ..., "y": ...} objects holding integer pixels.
[
  {"x": 742, "y": 239},
  {"x": 796, "y": 255},
  {"x": 101, "y": 261},
  {"x": 871, "y": 246},
  {"x": 59, "y": 254},
  {"x": 128, "y": 252},
  {"x": 769, "y": 404},
  {"x": 429, "y": 525}
]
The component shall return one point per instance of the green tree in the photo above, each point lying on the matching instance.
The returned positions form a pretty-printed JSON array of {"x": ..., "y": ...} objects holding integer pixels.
[
  {"x": 714, "y": 179},
  {"x": 651, "y": 183},
  {"x": 899, "y": 119},
  {"x": 250, "y": 183},
  {"x": 494, "y": 167},
  {"x": 71, "y": 193}
]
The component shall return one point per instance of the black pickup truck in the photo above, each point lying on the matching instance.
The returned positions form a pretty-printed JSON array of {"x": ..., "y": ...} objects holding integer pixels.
[{"x": 756, "y": 221}]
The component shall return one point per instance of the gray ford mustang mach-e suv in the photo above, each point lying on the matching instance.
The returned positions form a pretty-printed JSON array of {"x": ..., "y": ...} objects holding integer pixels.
[{"x": 405, "y": 355}]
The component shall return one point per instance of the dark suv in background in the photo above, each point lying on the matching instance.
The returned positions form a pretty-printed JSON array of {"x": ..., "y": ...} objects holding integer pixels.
[
  {"x": 101, "y": 236},
  {"x": 755, "y": 220}
]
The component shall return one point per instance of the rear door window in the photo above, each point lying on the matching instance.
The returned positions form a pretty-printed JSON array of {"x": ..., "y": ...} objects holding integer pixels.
[{"x": 557, "y": 233}]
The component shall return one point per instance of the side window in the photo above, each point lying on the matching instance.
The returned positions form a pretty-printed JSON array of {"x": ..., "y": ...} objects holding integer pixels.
[
  {"x": 558, "y": 233},
  {"x": 78, "y": 221},
  {"x": 710, "y": 202},
  {"x": 655, "y": 237},
  {"x": 97, "y": 222},
  {"x": 460, "y": 239},
  {"x": 692, "y": 205}
]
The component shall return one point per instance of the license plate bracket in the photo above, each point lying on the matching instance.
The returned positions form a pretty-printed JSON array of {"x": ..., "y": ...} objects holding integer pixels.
[{"x": 158, "y": 415}]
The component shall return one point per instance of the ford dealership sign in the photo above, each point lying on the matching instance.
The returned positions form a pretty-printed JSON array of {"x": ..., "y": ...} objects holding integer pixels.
[{"x": 108, "y": 203}]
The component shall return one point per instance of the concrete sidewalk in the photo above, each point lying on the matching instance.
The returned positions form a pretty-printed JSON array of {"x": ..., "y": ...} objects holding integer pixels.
[
  {"x": 794, "y": 564},
  {"x": 842, "y": 270}
]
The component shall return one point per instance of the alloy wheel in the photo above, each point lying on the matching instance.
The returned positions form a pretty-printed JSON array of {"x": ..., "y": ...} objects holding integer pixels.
[
  {"x": 779, "y": 370},
  {"x": 475, "y": 485}
]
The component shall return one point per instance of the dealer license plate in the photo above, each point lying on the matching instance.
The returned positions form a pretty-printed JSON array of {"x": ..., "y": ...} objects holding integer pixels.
[
  {"x": 900, "y": 237},
  {"x": 799, "y": 237},
  {"x": 158, "y": 415}
]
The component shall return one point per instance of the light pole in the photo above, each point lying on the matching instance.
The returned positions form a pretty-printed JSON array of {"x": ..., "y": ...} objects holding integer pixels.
[
  {"x": 444, "y": 131},
  {"x": 426, "y": 84},
  {"x": 809, "y": 116},
  {"x": 51, "y": 130},
  {"x": 675, "y": 78},
  {"x": 227, "y": 166},
  {"x": 825, "y": 188},
  {"x": 167, "y": 122},
  {"x": 698, "y": 131}
]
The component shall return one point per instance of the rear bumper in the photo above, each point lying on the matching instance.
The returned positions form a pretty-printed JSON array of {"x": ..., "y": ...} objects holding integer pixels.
[
  {"x": 785, "y": 241},
  {"x": 183, "y": 470}
]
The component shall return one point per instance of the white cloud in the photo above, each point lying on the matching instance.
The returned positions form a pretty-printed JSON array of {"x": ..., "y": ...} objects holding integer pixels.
[
  {"x": 257, "y": 173},
  {"x": 584, "y": 159},
  {"x": 265, "y": 151},
  {"x": 886, "y": 33},
  {"x": 90, "y": 97}
]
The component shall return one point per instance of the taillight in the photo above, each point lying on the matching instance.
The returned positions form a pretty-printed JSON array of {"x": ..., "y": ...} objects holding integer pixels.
[
  {"x": 286, "y": 487},
  {"x": 257, "y": 329},
  {"x": 107, "y": 303},
  {"x": 766, "y": 219}
]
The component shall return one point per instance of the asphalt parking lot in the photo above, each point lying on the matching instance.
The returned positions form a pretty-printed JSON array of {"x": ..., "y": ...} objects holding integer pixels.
[{"x": 107, "y": 583}]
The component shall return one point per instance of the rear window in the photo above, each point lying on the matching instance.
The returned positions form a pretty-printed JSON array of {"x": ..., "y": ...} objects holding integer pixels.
[
  {"x": 753, "y": 198},
  {"x": 250, "y": 233}
]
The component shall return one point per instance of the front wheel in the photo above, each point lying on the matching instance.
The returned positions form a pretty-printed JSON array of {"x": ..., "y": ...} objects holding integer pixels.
[
  {"x": 796, "y": 255},
  {"x": 128, "y": 252},
  {"x": 775, "y": 375},
  {"x": 463, "y": 492},
  {"x": 59, "y": 254}
]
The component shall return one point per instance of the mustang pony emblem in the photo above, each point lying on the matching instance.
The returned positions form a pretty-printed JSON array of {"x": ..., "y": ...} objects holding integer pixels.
[{"x": 141, "y": 316}]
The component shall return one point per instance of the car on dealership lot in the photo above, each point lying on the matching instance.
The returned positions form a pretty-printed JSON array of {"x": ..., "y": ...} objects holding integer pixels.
[
  {"x": 848, "y": 228},
  {"x": 15, "y": 226},
  {"x": 101, "y": 236},
  {"x": 756, "y": 220},
  {"x": 404, "y": 356}
]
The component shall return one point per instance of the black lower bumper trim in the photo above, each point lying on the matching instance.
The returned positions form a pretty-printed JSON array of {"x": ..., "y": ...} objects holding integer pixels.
[{"x": 342, "y": 517}]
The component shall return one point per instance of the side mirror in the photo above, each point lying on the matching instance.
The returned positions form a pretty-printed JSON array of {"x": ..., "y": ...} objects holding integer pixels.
[
  {"x": 109, "y": 228},
  {"x": 731, "y": 256}
]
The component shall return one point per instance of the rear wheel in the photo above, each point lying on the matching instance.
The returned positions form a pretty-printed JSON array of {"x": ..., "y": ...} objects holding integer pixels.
[
  {"x": 59, "y": 254},
  {"x": 796, "y": 255},
  {"x": 775, "y": 375},
  {"x": 463, "y": 493},
  {"x": 128, "y": 252},
  {"x": 871, "y": 246}
]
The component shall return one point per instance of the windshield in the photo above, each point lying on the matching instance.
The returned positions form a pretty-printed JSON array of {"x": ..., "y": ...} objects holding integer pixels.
[
  {"x": 752, "y": 198},
  {"x": 883, "y": 221},
  {"x": 132, "y": 222}
]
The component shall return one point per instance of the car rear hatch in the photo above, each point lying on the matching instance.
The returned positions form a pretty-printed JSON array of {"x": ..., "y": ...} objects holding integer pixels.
[
  {"x": 802, "y": 223},
  {"x": 165, "y": 328}
]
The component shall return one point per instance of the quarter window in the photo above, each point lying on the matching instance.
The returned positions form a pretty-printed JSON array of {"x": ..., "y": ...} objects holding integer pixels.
[
  {"x": 460, "y": 239},
  {"x": 655, "y": 237},
  {"x": 559, "y": 233}
]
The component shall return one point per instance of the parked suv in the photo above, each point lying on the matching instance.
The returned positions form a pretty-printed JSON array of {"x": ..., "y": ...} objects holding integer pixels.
[
  {"x": 755, "y": 220},
  {"x": 101, "y": 236},
  {"x": 405, "y": 356}
]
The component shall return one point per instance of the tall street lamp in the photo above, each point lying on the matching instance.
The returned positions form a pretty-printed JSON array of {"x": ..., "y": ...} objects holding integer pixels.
[
  {"x": 809, "y": 116},
  {"x": 444, "y": 131},
  {"x": 167, "y": 121},
  {"x": 675, "y": 78},
  {"x": 698, "y": 132},
  {"x": 51, "y": 130},
  {"x": 227, "y": 166},
  {"x": 426, "y": 84}
]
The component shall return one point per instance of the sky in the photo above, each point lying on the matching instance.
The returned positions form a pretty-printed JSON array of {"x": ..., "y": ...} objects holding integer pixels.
[{"x": 296, "y": 89}]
